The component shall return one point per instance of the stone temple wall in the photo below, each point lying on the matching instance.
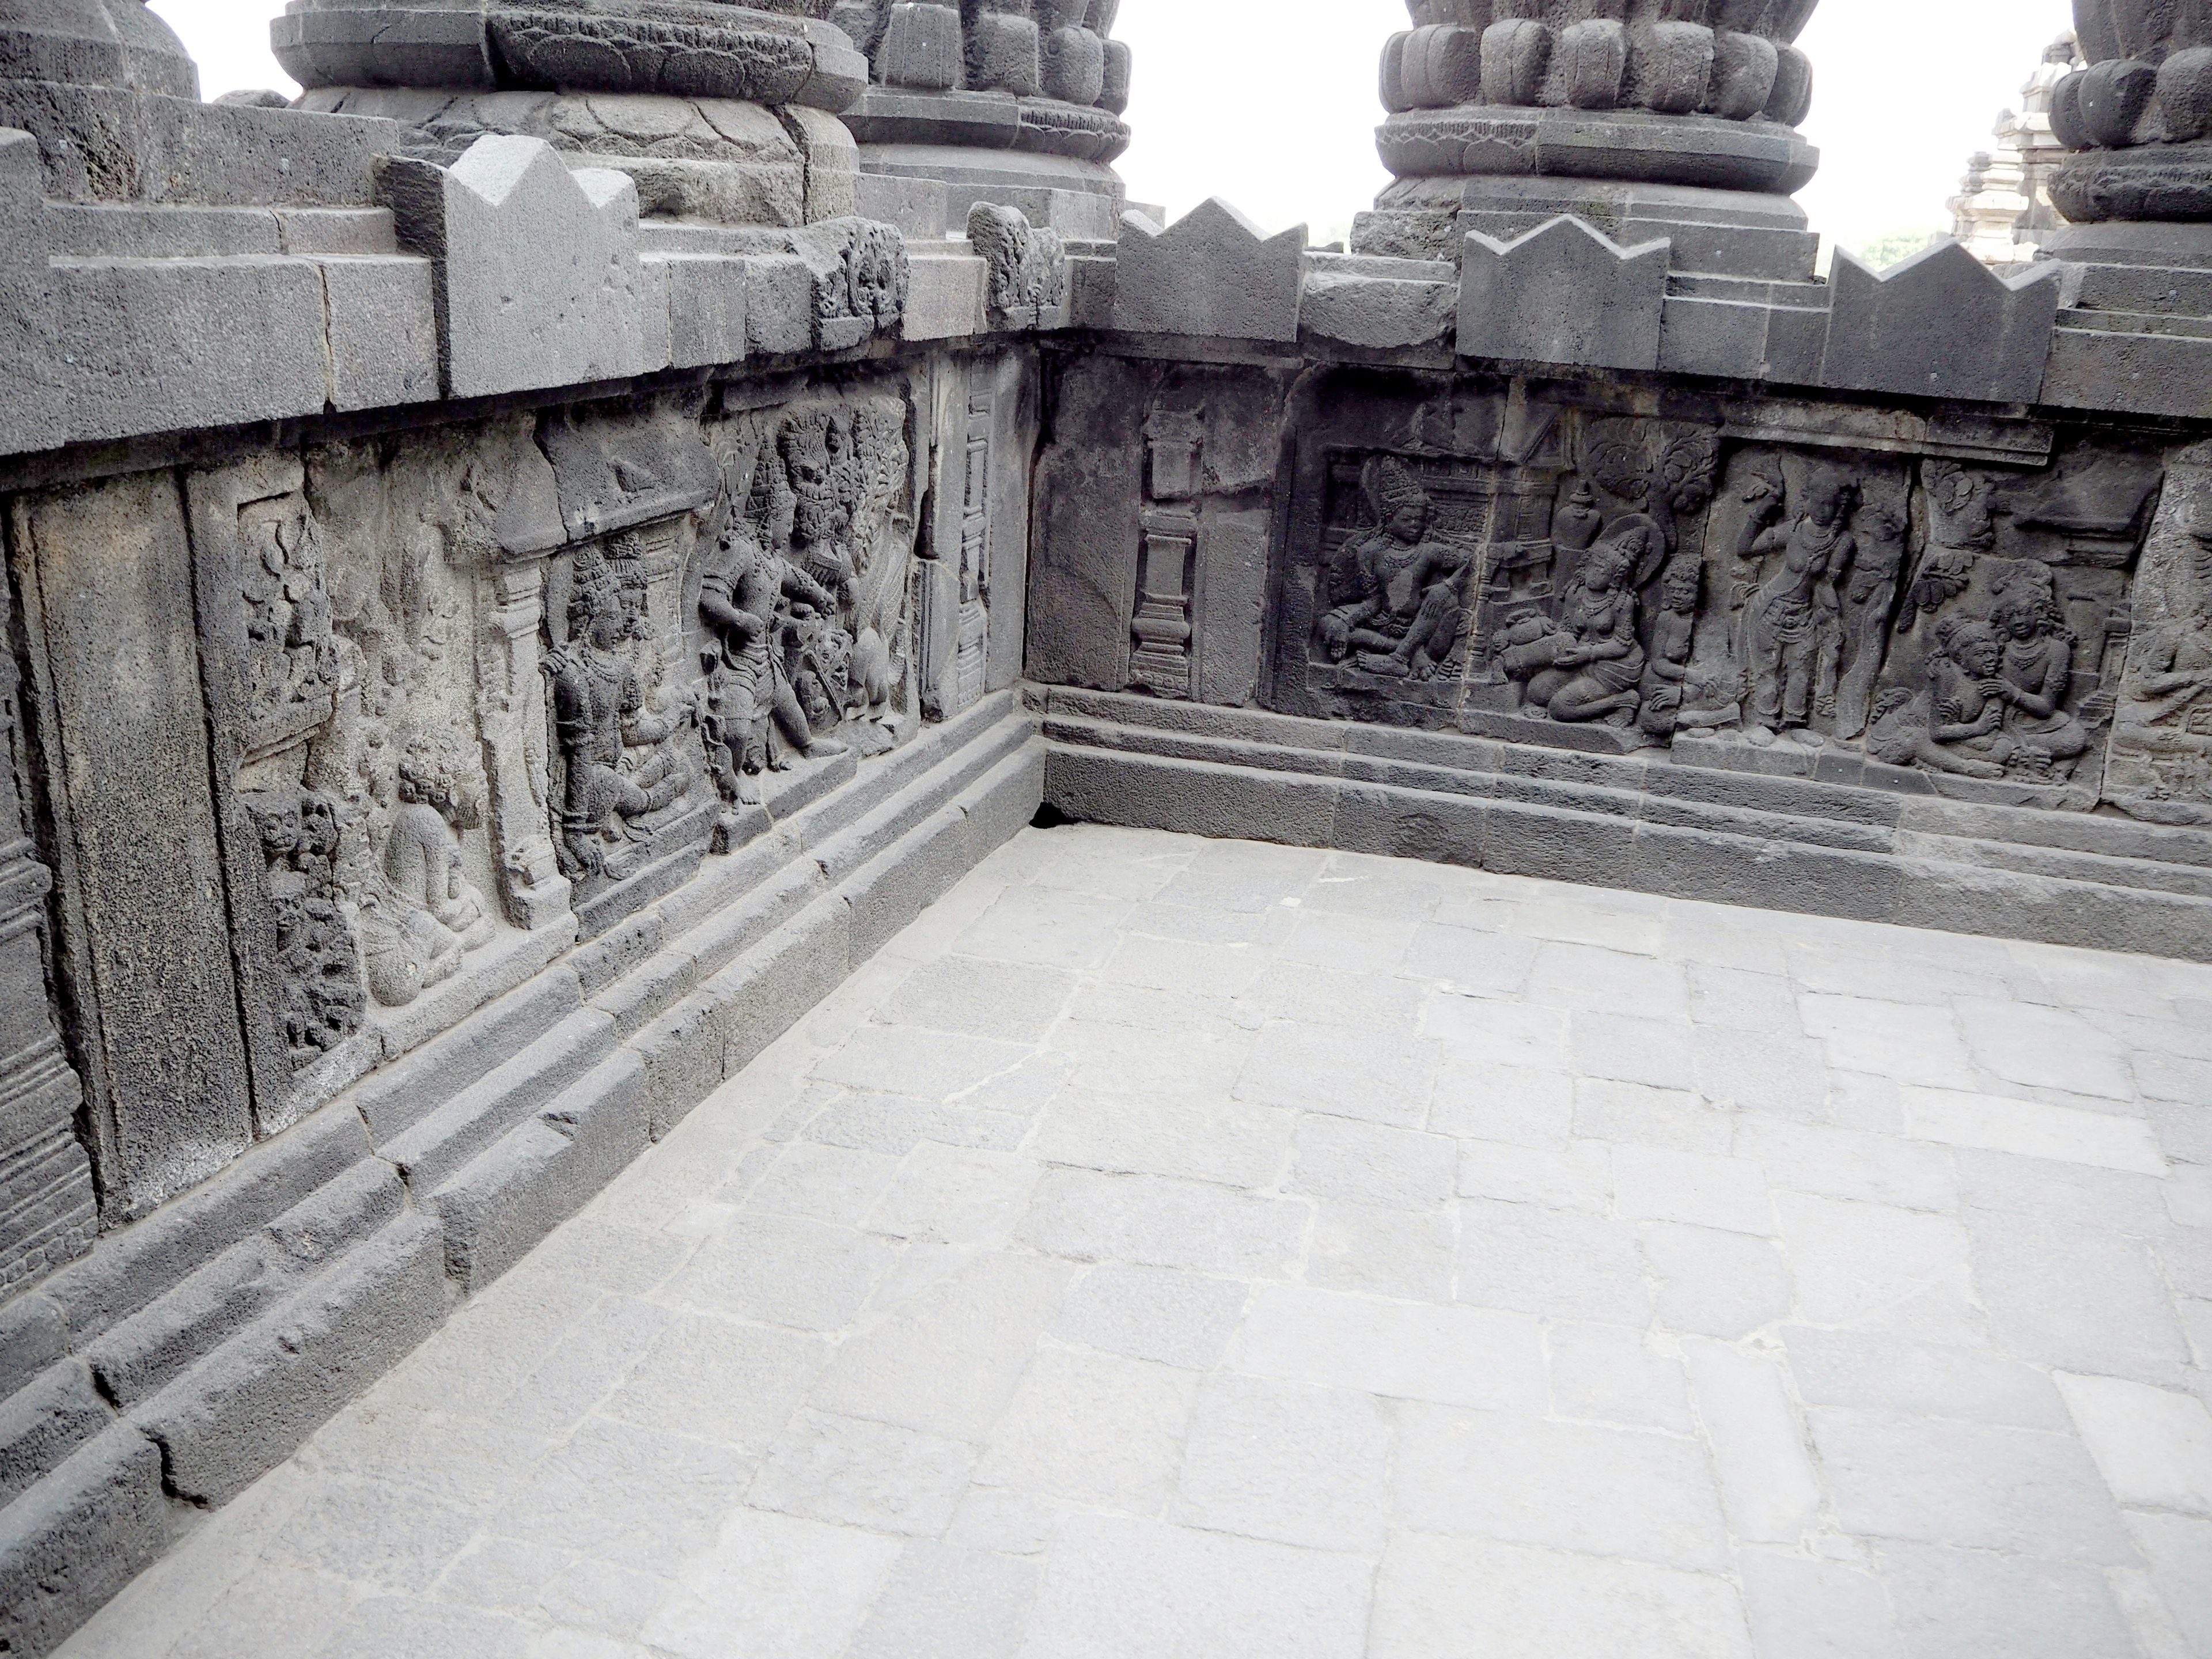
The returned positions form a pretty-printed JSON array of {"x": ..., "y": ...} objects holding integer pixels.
[{"x": 527, "y": 567}]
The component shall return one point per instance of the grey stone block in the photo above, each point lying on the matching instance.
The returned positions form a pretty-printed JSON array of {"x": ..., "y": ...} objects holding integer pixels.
[
  {"x": 709, "y": 300},
  {"x": 171, "y": 344},
  {"x": 134, "y": 1267},
  {"x": 1004, "y": 802},
  {"x": 780, "y": 305},
  {"x": 1211, "y": 274},
  {"x": 377, "y": 45},
  {"x": 543, "y": 1172},
  {"x": 683, "y": 1054},
  {"x": 41, "y": 1425},
  {"x": 2151, "y": 372},
  {"x": 922, "y": 48},
  {"x": 537, "y": 267},
  {"x": 410, "y": 1089},
  {"x": 463, "y": 1127},
  {"x": 381, "y": 316},
  {"x": 79, "y": 1536},
  {"x": 765, "y": 993},
  {"x": 32, "y": 1335},
  {"x": 895, "y": 886},
  {"x": 142, "y": 1354},
  {"x": 1378, "y": 303},
  {"x": 1941, "y": 325},
  {"x": 249, "y": 1405},
  {"x": 32, "y": 416},
  {"x": 1195, "y": 798},
  {"x": 1563, "y": 293},
  {"x": 920, "y": 207},
  {"x": 944, "y": 298}
]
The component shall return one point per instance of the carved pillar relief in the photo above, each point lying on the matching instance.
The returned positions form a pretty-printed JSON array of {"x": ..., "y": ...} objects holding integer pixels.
[
  {"x": 1161, "y": 659},
  {"x": 47, "y": 1212}
]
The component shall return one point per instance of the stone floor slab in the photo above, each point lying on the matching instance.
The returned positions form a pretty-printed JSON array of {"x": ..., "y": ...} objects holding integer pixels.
[{"x": 1176, "y": 1249}]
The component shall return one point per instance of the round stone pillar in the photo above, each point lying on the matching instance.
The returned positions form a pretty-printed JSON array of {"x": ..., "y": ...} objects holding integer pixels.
[
  {"x": 722, "y": 113},
  {"x": 1014, "y": 103},
  {"x": 2139, "y": 120},
  {"x": 1645, "y": 118}
]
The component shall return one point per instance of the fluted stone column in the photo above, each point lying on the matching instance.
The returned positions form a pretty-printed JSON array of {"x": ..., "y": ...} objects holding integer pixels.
[
  {"x": 1018, "y": 103},
  {"x": 2139, "y": 186},
  {"x": 1645, "y": 118}
]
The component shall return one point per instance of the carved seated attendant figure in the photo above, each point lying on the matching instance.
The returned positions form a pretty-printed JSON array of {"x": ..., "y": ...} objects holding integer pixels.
[
  {"x": 596, "y": 700},
  {"x": 1667, "y": 673},
  {"x": 1410, "y": 616},
  {"x": 2037, "y": 668},
  {"x": 1586, "y": 666},
  {"x": 747, "y": 690},
  {"x": 2172, "y": 678},
  {"x": 418, "y": 922},
  {"x": 1956, "y": 724}
]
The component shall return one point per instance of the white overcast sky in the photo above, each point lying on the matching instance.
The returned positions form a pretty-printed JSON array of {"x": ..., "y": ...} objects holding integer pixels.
[{"x": 1272, "y": 103}]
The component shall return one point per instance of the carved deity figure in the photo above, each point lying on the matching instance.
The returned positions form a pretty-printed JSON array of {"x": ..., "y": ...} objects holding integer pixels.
[
  {"x": 1956, "y": 724},
  {"x": 1407, "y": 617},
  {"x": 747, "y": 598},
  {"x": 1587, "y": 666},
  {"x": 1793, "y": 627},
  {"x": 2171, "y": 686},
  {"x": 600, "y": 715},
  {"x": 1962, "y": 509}
]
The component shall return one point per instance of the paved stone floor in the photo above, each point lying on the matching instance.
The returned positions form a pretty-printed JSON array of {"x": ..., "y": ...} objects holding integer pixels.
[{"x": 1183, "y": 1250}]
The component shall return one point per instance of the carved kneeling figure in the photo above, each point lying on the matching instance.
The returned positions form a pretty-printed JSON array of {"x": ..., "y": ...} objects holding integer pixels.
[{"x": 1588, "y": 666}]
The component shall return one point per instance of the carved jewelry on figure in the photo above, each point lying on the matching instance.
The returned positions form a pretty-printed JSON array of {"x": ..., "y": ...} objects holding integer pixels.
[{"x": 1406, "y": 616}]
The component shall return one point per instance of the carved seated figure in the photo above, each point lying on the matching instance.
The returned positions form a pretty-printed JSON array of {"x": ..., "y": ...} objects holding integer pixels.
[
  {"x": 424, "y": 914},
  {"x": 2037, "y": 668},
  {"x": 597, "y": 699},
  {"x": 1666, "y": 675},
  {"x": 1957, "y": 724},
  {"x": 1586, "y": 666},
  {"x": 1410, "y": 616}
]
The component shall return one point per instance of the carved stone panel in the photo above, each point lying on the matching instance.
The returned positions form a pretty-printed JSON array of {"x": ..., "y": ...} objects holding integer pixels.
[
  {"x": 807, "y": 593},
  {"x": 2161, "y": 753},
  {"x": 1510, "y": 566},
  {"x": 2003, "y": 672},
  {"x": 47, "y": 1211},
  {"x": 143, "y": 949}
]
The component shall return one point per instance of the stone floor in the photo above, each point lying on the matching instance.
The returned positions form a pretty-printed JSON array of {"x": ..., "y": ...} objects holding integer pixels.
[{"x": 1173, "y": 1249}]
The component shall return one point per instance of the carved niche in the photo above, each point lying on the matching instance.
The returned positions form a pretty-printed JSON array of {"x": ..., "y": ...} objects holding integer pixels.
[
  {"x": 276, "y": 671},
  {"x": 802, "y": 599},
  {"x": 383, "y": 803}
]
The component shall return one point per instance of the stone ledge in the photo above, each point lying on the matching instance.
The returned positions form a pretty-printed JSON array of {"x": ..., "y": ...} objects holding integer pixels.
[{"x": 1590, "y": 819}]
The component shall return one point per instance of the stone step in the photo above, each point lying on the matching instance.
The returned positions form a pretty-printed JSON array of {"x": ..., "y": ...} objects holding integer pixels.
[{"x": 481, "y": 1113}]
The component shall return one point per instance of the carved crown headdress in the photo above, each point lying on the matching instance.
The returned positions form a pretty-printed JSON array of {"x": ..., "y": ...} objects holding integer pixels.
[{"x": 1391, "y": 488}]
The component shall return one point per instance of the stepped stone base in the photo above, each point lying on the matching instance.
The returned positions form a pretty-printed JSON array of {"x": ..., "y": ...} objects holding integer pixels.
[
  {"x": 1642, "y": 823},
  {"x": 175, "y": 1363}
]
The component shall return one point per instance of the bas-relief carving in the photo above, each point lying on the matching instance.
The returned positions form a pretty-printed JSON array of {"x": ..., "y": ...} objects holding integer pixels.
[
  {"x": 48, "y": 1215},
  {"x": 1608, "y": 581},
  {"x": 803, "y": 594},
  {"x": 2161, "y": 755}
]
